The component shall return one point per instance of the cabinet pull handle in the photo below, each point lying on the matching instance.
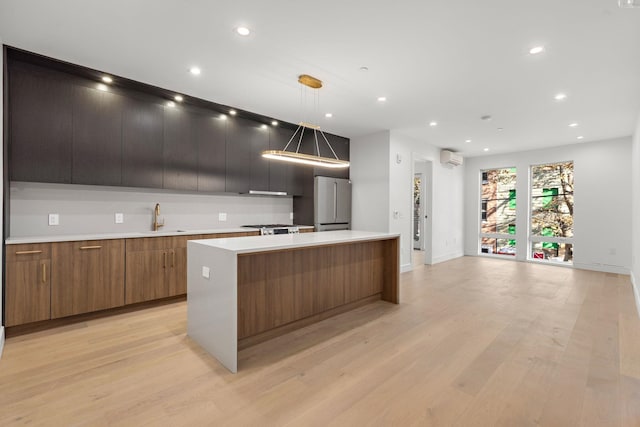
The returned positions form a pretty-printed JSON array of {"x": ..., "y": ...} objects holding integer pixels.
[
  {"x": 27, "y": 252},
  {"x": 85, "y": 248},
  {"x": 164, "y": 263},
  {"x": 173, "y": 259},
  {"x": 44, "y": 273}
]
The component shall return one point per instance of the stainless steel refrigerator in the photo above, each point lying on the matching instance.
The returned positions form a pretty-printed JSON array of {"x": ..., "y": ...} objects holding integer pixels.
[{"x": 332, "y": 204}]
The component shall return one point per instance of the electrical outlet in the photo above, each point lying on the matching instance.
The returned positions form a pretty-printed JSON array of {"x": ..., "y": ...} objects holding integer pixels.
[
  {"x": 222, "y": 216},
  {"x": 206, "y": 271},
  {"x": 291, "y": 215},
  {"x": 119, "y": 217},
  {"x": 54, "y": 219}
]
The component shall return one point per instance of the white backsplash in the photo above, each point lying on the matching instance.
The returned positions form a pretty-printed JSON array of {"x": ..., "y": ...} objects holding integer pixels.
[{"x": 87, "y": 209}]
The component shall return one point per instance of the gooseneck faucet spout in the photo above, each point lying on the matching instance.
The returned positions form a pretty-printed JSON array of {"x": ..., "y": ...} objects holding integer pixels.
[{"x": 156, "y": 218}]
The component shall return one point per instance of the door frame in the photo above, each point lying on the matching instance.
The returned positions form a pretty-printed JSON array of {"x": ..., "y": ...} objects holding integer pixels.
[{"x": 423, "y": 165}]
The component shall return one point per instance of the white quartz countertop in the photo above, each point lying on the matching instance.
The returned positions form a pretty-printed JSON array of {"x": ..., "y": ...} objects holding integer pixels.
[
  {"x": 128, "y": 235},
  {"x": 285, "y": 241}
]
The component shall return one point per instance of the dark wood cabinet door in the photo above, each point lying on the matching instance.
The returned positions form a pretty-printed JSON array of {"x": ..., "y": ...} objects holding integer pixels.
[
  {"x": 40, "y": 126},
  {"x": 180, "y": 150},
  {"x": 97, "y": 137},
  {"x": 142, "y": 135},
  {"x": 341, "y": 148},
  {"x": 279, "y": 171},
  {"x": 210, "y": 133},
  {"x": 88, "y": 276},
  {"x": 246, "y": 168}
]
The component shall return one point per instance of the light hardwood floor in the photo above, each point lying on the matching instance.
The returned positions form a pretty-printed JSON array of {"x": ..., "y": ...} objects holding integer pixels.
[{"x": 474, "y": 342}]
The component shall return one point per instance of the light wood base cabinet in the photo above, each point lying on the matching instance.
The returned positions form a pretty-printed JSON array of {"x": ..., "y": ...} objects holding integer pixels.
[
  {"x": 28, "y": 284},
  {"x": 88, "y": 276}
]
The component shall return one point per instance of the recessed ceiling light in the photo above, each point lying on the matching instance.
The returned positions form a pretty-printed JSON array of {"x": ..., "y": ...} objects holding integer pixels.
[
  {"x": 500, "y": 129},
  {"x": 485, "y": 149},
  {"x": 328, "y": 115},
  {"x": 536, "y": 50},
  {"x": 243, "y": 31},
  {"x": 233, "y": 112},
  {"x": 171, "y": 104},
  {"x": 486, "y": 118},
  {"x": 274, "y": 123},
  {"x": 195, "y": 71},
  {"x": 107, "y": 79},
  {"x": 467, "y": 141},
  {"x": 433, "y": 123},
  {"x": 178, "y": 98},
  {"x": 580, "y": 137},
  {"x": 364, "y": 68},
  {"x": 572, "y": 125},
  {"x": 382, "y": 98},
  {"x": 560, "y": 96}
]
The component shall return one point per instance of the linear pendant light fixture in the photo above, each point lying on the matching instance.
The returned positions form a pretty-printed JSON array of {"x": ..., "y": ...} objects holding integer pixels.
[{"x": 302, "y": 158}]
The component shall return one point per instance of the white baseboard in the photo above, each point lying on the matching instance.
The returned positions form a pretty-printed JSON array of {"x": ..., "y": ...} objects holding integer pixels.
[
  {"x": 1, "y": 340},
  {"x": 405, "y": 268},
  {"x": 604, "y": 268},
  {"x": 636, "y": 291},
  {"x": 447, "y": 257}
]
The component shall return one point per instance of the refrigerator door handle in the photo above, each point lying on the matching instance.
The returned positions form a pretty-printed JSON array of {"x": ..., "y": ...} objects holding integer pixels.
[{"x": 335, "y": 201}]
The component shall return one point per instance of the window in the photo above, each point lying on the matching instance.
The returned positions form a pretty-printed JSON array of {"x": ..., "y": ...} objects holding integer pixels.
[
  {"x": 552, "y": 206},
  {"x": 498, "y": 212}
]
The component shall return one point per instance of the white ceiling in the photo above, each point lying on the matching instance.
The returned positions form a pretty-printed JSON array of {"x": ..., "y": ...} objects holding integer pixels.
[{"x": 443, "y": 60}]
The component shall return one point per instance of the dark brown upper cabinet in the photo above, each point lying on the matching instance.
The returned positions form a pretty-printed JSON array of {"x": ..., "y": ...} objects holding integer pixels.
[
  {"x": 210, "y": 133},
  {"x": 280, "y": 172},
  {"x": 246, "y": 168},
  {"x": 40, "y": 111},
  {"x": 97, "y": 137},
  {"x": 142, "y": 135},
  {"x": 341, "y": 147},
  {"x": 180, "y": 150}
]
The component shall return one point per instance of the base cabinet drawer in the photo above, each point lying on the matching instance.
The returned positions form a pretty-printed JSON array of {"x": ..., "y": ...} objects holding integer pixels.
[{"x": 28, "y": 284}]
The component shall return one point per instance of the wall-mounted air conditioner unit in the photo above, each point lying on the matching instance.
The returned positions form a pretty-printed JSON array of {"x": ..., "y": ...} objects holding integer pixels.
[{"x": 451, "y": 158}]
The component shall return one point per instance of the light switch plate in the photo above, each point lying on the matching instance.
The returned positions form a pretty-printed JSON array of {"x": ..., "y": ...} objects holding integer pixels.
[
  {"x": 205, "y": 272},
  {"x": 291, "y": 215},
  {"x": 54, "y": 219},
  {"x": 222, "y": 216},
  {"x": 119, "y": 218}
]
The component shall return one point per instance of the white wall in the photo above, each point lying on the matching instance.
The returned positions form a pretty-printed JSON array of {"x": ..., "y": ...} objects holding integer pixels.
[
  {"x": 382, "y": 186},
  {"x": 369, "y": 174},
  {"x": 447, "y": 211},
  {"x": 602, "y": 216},
  {"x": 635, "y": 227},
  {"x": 90, "y": 209}
]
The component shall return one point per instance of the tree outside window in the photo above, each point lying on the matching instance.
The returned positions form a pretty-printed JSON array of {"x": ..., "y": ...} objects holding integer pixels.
[{"x": 552, "y": 211}]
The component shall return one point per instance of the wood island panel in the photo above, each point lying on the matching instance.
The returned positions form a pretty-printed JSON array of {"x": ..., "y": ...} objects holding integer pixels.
[{"x": 279, "y": 288}]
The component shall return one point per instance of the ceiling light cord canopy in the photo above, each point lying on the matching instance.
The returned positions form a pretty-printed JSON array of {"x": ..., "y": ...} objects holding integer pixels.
[{"x": 302, "y": 158}]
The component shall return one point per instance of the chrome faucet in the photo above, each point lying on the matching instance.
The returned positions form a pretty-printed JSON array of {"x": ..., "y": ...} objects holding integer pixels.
[{"x": 156, "y": 216}]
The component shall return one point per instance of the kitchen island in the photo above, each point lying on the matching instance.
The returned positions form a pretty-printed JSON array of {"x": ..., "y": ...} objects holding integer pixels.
[{"x": 246, "y": 290}]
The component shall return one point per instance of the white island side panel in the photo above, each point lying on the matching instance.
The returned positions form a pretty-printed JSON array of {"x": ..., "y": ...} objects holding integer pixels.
[{"x": 212, "y": 304}]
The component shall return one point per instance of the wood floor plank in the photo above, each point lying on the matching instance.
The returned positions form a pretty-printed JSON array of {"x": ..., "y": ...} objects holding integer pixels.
[{"x": 475, "y": 341}]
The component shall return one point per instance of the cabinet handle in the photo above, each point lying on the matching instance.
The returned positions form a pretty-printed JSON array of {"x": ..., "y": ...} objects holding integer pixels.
[
  {"x": 44, "y": 273},
  {"x": 27, "y": 252},
  {"x": 173, "y": 259},
  {"x": 164, "y": 263},
  {"x": 85, "y": 248}
]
